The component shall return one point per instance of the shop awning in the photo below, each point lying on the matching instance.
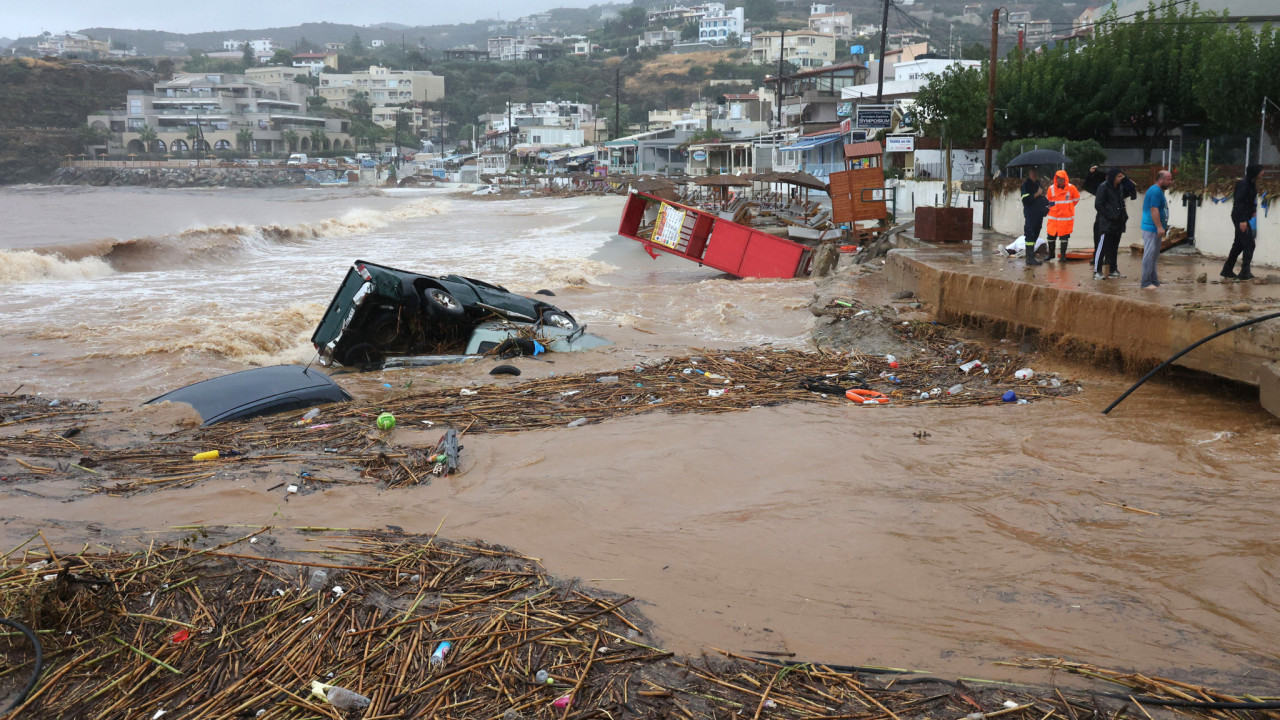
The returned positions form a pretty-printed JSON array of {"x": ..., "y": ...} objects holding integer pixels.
[{"x": 812, "y": 142}]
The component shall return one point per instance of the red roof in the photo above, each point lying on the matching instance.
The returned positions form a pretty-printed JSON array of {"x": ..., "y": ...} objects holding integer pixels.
[
  {"x": 314, "y": 55},
  {"x": 748, "y": 96},
  {"x": 863, "y": 149}
]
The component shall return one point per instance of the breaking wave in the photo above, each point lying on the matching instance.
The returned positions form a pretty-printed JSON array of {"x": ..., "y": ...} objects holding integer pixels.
[
  {"x": 256, "y": 338},
  {"x": 102, "y": 257},
  {"x": 25, "y": 266}
]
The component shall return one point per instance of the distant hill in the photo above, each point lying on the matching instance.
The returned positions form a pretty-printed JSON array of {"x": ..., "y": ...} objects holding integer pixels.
[
  {"x": 5, "y": 42},
  {"x": 437, "y": 37}
]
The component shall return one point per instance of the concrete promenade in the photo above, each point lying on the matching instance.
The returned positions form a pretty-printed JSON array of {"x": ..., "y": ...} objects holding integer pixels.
[{"x": 977, "y": 283}]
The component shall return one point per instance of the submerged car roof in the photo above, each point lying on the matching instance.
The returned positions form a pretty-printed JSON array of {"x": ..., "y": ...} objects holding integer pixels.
[{"x": 260, "y": 391}]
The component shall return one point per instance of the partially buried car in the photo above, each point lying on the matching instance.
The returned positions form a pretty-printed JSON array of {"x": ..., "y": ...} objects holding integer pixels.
[{"x": 380, "y": 311}]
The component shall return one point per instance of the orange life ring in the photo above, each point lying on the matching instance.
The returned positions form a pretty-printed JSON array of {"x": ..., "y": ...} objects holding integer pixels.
[{"x": 866, "y": 396}]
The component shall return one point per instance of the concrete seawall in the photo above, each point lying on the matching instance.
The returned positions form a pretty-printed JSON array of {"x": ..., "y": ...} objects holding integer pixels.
[{"x": 1106, "y": 318}]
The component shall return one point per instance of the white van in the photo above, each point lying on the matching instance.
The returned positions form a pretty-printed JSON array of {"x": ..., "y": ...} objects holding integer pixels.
[{"x": 297, "y": 160}]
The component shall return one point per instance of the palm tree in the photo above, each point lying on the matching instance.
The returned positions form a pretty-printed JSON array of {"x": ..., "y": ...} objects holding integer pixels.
[
  {"x": 147, "y": 136},
  {"x": 318, "y": 137},
  {"x": 290, "y": 139},
  {"x": 244, "y": 138},
  {"x": 193, "y": 137}
]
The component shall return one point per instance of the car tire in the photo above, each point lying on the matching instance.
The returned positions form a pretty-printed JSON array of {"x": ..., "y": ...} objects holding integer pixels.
[
  {"x": 552, "y": 318},
  {"x": 548, "y": 293},
  {"x": 361, "y": 355},
  {"x": 442, "y": 304},
  {"x": 384, "y": 330}
]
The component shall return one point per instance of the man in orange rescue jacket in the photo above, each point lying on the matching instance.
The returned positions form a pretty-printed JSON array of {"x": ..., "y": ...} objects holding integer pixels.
[{"x": 1062, "y": 197}]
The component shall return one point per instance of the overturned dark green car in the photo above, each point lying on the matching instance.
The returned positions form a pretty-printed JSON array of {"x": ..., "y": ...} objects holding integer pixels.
[{"x": 380, "y": 311}]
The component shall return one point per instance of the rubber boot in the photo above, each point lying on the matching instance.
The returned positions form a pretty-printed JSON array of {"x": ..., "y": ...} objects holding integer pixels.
[
  {"x": 1053, "y": 251},
  {"x": 1031, "y": 256},
  {"x": 1063, "y": 256}
]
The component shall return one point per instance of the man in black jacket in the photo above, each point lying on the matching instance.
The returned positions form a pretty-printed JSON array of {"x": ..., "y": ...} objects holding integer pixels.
[
  {"x": 1244, "y": 206},
  {"x": 1092, "y": 182},
  {"x": 1112, "y": 219},
  {"x": 1034, "y": 207}
]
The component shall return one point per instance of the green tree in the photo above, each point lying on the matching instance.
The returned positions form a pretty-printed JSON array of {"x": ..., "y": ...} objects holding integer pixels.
[
  {"x": 193, "y": 137},
  {"x": 689, "y": 32},
  {"x": 318, "y": 137},
  {"x": 760, "y": 11},
  {"x": 290, "y": 138},
  {"x": 356, "y": 46},
  {"x": 281, "y": 57},
  {"x": 244, "y": 138},
  {"x": 247, "y": 59},
  {"x": 360, "y": 105},
  {"x": 316, "y": 104},
  {"x": 505, "y": 81},
  {"x": 165, "y": 68},
  {"x": 696, "y": 73},
  {"x": 952, "y": 106},
  {"x": 147, "y": 136},
  {"x": 1233, "y": 79}
]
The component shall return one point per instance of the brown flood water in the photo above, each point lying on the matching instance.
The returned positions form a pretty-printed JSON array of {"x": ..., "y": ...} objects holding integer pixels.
[{"x": 831, "y": 533}]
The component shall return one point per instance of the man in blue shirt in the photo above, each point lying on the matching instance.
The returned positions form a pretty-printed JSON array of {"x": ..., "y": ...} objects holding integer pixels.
[{"x": 1155, "y": 223}]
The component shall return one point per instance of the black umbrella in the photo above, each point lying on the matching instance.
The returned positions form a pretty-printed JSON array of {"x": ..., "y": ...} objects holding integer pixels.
[{"x": 1039, "y": 156}]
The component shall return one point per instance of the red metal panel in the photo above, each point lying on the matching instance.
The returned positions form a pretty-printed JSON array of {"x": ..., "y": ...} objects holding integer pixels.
[
  {"x": 726, "y": 246},
  {"x": 769, "y": 256}
]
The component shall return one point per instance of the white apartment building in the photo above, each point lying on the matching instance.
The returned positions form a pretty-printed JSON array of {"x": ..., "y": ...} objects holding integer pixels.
[
  {"x": 659, "y": 38},
  {"x": 222, "y": 106},
  {"x": 715, "y": 27},
  {"x": 265, "y": 46},
  {"x": 802, "y": 48},
  {"x": 72, "y": 44},
  {"x": 839, "y": 24},
  {"x": 384, "y": 86}
]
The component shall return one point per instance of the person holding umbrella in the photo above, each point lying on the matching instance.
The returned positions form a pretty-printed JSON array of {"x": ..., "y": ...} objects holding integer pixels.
[{"x": 1034, "y": 207}]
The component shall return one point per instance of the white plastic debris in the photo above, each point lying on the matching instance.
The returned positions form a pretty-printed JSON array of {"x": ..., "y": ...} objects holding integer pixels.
[
  {"x": 159, "y": 714},
  {"x": 715, "y": 392},
  {"x": 291, "y": 489},
  {"x": 337, "y": 591},
  {"x": 306, "y": 620},
  {"x": 1025, "y": 374},
  {"x": 1010, "y": 704},
  {"x": 965, "y": 368},
  {"x": 465, "y": 391}
]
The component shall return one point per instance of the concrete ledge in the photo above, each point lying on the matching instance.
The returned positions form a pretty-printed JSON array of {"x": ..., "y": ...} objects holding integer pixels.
[
  {"x": 1269, "y": 388},
  {"x": 1109, "y": 317}
]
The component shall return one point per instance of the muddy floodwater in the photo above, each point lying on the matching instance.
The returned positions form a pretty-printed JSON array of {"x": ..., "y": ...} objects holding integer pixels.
[{"x": 1141, "y": 540}]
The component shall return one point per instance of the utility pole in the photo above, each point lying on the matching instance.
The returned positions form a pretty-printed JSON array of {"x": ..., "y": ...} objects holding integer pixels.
[
  {"x": 884, "y": 36},
  {"x": 617, "y": 101},
  {"x": 1262, "y": 131},
  {"x": 991, "y": 120},
  {"x": 782, "y": 44},
  {"x": 509, "y": 128}
]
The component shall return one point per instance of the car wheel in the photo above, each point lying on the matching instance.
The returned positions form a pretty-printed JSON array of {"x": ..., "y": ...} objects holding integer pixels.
[
  {"x": 559, "y": 320},
  {"x": 443, "y": 304},
  {"x": 384, "y": 330},
  {"x": 361, "y": 355}
]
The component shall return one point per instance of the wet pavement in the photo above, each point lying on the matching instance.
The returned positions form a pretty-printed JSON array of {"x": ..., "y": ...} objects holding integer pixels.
[{"x": 1110, "y": 319}]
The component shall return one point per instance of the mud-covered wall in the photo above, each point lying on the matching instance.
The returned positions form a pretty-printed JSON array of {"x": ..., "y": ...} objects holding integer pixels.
[
  {"x": 1213, "y": 225},
  {"x": 1137, "y": 332}
]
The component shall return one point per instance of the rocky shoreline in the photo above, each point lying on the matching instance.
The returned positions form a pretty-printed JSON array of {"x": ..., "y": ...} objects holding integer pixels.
[{"x": 179, "y": 177}]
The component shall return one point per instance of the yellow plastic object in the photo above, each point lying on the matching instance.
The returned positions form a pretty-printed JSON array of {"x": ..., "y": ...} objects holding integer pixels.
[{"x": 206, "y": 455}]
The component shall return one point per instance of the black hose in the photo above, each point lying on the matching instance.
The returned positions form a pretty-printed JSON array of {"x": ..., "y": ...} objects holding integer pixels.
[
  {"x": 35, "y": 673},
  {"x": 1184, "y": 351}
]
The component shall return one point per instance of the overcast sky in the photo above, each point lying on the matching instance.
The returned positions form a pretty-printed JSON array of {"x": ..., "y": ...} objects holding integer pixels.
[{"x": 19, "y": 18}]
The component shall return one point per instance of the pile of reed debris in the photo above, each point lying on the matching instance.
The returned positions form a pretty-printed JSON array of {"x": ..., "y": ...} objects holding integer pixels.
[{"x": 243, "y": 629}]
